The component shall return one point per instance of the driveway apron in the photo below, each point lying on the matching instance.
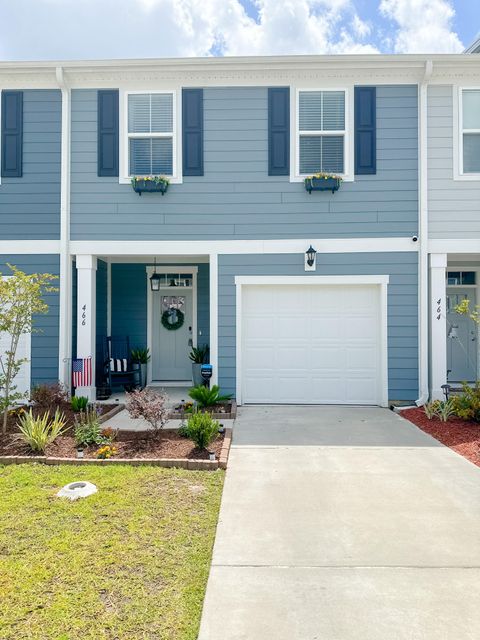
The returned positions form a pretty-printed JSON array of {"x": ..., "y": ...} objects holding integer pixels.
[{"x": 343, "y": 523}]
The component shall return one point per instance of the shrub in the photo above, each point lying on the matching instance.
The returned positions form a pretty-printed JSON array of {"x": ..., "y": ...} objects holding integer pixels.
[
  {"x": 40, "y": 431},
  {"x": 202, "y": 429},
  {"x": 105, "y": 452},
  {"x": 109, "y": 435},
  {"x": 87, "y": 428},
  {"x": 140, "y": 355},
  {"x": 151, "y": 406},
  {"x": 467, "y": 405},
  {"x": 445, "y": 409},
  {"x": 207, "y": 397},
  {"x": 49, "y": 395},
  {"x": 198, "y": 354},
  {"x": 78, "y": 403},
  {"x": 430, "y": 409}
]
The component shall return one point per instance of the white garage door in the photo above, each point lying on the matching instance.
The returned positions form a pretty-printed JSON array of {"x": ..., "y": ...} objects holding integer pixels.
[{"x": 311, "y": 344}]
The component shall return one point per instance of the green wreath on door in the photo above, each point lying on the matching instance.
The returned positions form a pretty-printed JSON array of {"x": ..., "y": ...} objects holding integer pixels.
[{"x": 173, "y": 319}]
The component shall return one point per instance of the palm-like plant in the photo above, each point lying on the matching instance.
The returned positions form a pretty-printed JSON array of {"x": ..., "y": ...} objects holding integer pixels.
[{"x": 207, "y": 397}]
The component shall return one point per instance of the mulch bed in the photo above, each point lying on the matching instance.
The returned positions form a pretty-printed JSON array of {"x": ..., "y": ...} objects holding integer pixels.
[
  {"x": 222, "y": 411},
  {"x": 463, "y": 436},
  {"x": 166, "y": 444},
  {"x": 65, "y": 408}
]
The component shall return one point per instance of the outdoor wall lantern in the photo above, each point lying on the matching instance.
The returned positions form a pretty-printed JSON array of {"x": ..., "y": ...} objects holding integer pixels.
[
  {"x": 155, "y": 278},
  {"x": 310, "y": 259}
]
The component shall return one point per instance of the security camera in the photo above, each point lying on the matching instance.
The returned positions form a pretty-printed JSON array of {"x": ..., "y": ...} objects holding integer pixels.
[{"x": 414, "y": 238}]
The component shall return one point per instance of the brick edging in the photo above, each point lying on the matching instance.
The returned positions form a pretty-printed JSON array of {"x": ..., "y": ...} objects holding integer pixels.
[{"x": 179, "y": 463}]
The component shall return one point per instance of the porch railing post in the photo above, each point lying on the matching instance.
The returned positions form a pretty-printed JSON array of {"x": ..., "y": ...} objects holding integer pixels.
[
  {"x": 438, "y": 324},
  {"x": 86, "y": 317}
]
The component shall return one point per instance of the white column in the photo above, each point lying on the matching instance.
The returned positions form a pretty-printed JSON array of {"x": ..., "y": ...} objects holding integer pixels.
[
  {"x": 214, "y": 317},
  {"x": 438, "y": 325},
  {"x": 86, "y": 312}
]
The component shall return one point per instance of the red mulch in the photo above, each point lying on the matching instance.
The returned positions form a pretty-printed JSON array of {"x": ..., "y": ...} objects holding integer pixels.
[
  {"x": 463, "y": 436},
  {"x": 166, "y": 444}
]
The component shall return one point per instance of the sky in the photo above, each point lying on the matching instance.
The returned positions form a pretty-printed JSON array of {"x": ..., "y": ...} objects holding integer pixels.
[{"x": 92, "y": 29}]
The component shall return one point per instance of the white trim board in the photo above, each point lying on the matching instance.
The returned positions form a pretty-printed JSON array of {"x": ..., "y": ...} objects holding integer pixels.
[
  {"x": 194, "y": 288},
  {"x": 33, "y": 247},
  {"x": 149, "y": 248},
  {"x": 380, "y": 280},
  {"x": 460, "y": 245}
]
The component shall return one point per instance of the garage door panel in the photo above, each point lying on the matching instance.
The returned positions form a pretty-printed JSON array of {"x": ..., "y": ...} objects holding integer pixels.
[{"x": 311, "y": 344}]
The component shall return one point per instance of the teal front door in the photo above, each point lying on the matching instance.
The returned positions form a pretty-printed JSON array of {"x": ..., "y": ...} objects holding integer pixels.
[
  {"x": 170, "y": 346},
  {"x": 461, "y": 337}
]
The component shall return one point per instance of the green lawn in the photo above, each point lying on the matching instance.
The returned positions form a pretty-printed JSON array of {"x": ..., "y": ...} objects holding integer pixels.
[{"x": 129, "y": 562}]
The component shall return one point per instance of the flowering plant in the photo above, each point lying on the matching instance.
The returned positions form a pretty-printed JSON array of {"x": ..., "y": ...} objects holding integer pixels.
[
  {"x": 324, "y": 176},
  {"x": 105, "y": 452},
  {"x": 155, "y": 179}
]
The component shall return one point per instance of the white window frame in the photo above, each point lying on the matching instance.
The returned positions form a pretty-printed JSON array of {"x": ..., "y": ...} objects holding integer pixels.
[
  {"x": 295, "y": 175},
  {"x": 176, "y": 176},
  {"x": 458, "y": 131}
]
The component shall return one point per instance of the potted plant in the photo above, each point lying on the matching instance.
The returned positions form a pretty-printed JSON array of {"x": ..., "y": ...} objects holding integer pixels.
[
  {"x": 140, "y": 359},
  {"x": 198, "y": 355},
  {"x": 322, "y": 182},
  {"x": 150, "y": 184}
]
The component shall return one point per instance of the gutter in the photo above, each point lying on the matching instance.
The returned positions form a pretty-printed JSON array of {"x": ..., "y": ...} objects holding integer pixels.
[
  {"x": 65, "y": 332},
  {"x": 423, "y": 233}
]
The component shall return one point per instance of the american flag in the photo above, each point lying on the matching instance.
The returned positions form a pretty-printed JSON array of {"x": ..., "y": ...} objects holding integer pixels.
[{"x": 82, "y": 372}]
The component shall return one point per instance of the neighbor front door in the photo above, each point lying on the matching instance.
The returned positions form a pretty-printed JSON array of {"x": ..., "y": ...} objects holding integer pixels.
[
  {"x": 461, "y": 337},
  {"x": 170, "y": 347}
]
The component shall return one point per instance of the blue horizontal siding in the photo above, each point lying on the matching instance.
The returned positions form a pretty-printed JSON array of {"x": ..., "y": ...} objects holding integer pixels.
[
  {"x": 30, "y": 205},
  {"x": 44, "y": 356},
  {"x": 235, "y": 198},
  {"x": 402, "y": 306}
]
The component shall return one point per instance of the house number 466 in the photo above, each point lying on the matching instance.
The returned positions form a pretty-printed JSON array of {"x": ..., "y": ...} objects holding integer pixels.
[{"x": 84, "y": 315}]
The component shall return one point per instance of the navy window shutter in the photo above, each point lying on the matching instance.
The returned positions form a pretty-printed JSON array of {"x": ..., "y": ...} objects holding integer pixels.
[
  {"x": 365, "y": 131},
  {"x": 192, "y": 132},
  {"x": 107, "y": 133},
  {"x": 279, "y": 131},
  {"x": 12, "y": 134}
]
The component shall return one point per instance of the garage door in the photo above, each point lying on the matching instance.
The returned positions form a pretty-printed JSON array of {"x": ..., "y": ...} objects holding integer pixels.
[{"x": 311, "y": 344}]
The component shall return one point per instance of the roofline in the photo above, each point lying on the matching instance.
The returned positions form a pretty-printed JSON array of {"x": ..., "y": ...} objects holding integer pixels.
[
  {"x": 242, "y": 62},
  {"x": 474, "y": 47}
]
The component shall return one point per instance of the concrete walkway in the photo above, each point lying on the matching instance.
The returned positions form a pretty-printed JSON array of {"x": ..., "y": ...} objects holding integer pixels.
[{"x": 343, "y": 524}]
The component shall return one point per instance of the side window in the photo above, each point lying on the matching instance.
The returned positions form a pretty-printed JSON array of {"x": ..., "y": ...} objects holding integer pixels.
[{"x": 470, "y": 131}]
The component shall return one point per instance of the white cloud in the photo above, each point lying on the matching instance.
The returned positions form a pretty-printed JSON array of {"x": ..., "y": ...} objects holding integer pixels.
[
  {"x": 423, "y": 26},
  {"x": 56, "y": 29}
]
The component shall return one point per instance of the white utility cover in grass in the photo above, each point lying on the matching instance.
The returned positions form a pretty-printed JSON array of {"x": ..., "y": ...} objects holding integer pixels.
[{"x": 311, "y": 344}]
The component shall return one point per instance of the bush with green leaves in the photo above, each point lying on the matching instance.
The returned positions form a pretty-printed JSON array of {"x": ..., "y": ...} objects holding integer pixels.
[
  {"x": 78, "y": 403},
  {"x": 198, "y": 354},
  {"x": 467, "y": 404},
  {"x": 202, "y": 429},
  {"x": 87, "y": 428},
  {"x": 430, "y": 409},
  {"x": 445, "y": 409},
  {"x": 140, "y": 355},
  {"x": 40, "y": 431},
  {"x": 207, "y": 397}
]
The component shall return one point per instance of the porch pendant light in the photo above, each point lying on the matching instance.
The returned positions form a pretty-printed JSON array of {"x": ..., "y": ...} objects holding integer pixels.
[
  {"x": 155, "y": 278},
  {"x": 310, "y": 253}
]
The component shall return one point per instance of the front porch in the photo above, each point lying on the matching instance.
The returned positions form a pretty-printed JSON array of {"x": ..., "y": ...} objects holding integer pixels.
[
  {"x": 168, "y": 314},
  {"x": 454, "y": 338}
]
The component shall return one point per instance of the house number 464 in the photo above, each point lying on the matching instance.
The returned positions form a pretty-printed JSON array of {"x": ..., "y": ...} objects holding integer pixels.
[{"x": 84, "y": 315}]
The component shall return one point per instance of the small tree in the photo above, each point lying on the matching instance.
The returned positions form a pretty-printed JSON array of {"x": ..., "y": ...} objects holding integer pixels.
[
  {"x": 463, "y": 309},
  {"x": 21, "y": 297},
  {"x": 151, "y": 406}
]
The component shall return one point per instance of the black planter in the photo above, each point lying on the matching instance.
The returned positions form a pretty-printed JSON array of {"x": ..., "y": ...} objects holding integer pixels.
[
  {"x": 149, "y": 186},
  {"x": 322, "y": 184}
]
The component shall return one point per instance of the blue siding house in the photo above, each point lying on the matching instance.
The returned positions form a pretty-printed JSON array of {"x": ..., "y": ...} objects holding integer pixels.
[{"x": 302, "y": 296}]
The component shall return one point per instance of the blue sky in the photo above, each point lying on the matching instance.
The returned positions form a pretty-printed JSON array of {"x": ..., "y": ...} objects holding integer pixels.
[{"x": 85, "y": 29}]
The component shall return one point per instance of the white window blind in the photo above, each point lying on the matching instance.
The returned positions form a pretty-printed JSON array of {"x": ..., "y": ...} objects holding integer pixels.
[
  {"x": 321, "y": 132},
  {"x": 150, "y": 133},
  {"x": 471, "y": 130}
]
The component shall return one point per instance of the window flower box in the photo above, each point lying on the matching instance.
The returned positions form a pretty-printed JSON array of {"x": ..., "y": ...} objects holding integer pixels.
[
  {"x": 150, "y": 184},
  {"x": 322, "y": 182}
]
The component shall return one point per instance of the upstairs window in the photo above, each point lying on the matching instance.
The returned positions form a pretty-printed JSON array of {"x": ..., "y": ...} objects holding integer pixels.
[
  {"x": 151, "y": 134},
  {"x": 470, "y": 131},
  {"x": 321, "y": 144}
]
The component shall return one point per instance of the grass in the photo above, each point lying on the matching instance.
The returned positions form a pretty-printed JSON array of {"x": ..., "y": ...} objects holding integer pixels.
[{"x": 131, "y": 561}]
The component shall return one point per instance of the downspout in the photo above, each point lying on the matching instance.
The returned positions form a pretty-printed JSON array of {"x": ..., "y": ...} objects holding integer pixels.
[
  {"x": 423, "y": 234},
  {"x": 65, "y": 329}
]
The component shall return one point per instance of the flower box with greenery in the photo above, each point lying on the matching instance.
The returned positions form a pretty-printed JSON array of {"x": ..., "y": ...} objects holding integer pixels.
[
  {"x": 322, "y": 182},
  {"x": 150, "y": 184}
]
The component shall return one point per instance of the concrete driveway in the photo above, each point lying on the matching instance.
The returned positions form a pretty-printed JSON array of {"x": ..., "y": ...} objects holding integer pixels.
[{"x": 343, "y": 523}]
